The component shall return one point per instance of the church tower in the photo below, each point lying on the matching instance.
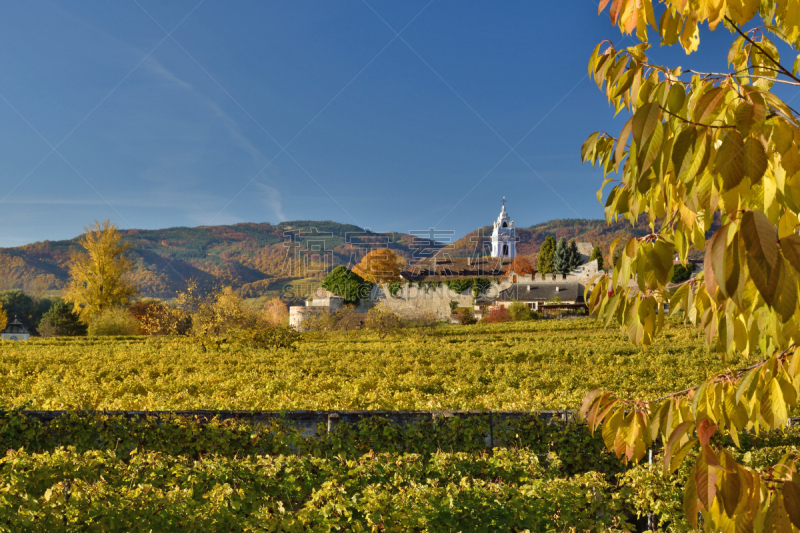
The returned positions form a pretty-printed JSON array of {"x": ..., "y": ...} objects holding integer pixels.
[{"x": 504, "y": 242}]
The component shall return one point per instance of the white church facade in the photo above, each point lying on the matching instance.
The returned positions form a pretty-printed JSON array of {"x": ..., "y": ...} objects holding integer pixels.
[{"x": 504, "y": 239}]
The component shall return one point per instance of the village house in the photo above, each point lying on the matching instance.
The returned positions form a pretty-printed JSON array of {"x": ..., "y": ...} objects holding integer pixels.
[
  {"x": 538, "y": 297},
  {"x": 15, "y": 331}
]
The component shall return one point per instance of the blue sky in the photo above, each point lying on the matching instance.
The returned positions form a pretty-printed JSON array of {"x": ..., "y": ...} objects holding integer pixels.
[{"x": 256, "y": 111}]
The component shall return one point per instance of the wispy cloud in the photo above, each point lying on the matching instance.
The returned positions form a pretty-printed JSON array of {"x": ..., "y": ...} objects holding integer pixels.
[
  {"x": 168, "y": 78},
  {"x": 158, "y": 70},
  {"x": 273, "y": 199}
]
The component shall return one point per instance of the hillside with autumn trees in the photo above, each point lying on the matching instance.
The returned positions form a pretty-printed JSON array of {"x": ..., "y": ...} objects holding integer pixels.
[
  {"x": 260, "y": 258},
  {"x": 253, "y": 258}
]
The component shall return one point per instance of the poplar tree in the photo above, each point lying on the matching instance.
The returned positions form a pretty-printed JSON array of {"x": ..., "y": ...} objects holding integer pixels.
[
  {"x": 98, "y": 276},
  {"x": 544, "y": 262},
  {"x": 700, "y": 147}
]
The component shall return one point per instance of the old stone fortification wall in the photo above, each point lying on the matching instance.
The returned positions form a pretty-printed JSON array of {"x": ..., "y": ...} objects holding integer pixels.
[
  {"x": 299, "y": 314},
  {"x": 414, "y": 299}
]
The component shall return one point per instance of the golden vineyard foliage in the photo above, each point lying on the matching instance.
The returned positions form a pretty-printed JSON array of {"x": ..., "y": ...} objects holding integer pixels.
[
  {"x": 506, "y": 491},
  {"x": 511, "y": 366},
  {"x": 98, "y": 277},
  {"x": 701, "y": 147}
]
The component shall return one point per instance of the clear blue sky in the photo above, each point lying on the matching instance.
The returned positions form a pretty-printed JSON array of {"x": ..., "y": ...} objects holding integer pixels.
[{"x": 264, "y": 111}]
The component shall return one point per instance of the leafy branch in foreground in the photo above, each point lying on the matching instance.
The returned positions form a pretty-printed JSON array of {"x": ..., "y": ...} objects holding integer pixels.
[
  {"x": 724, "y": 492},
  {"x": 706, "y": 153}
]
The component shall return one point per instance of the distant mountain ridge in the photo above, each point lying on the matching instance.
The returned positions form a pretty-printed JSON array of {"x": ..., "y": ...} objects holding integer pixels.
[{"x": 259, "y": 258}]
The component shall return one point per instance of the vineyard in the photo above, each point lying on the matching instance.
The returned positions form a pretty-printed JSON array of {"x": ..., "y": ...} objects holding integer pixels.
[
  {"x": 182, "y": 473},
  {"x": 109, "y": 472},
  {"x": 508, "y": 491},
  {"x": 513, "y": 366}
]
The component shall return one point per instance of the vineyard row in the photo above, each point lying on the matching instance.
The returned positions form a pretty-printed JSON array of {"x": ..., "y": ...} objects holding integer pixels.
[{"x": 118, "y": 472}]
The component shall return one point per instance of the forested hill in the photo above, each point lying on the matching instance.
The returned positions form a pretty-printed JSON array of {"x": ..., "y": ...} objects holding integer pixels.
[
  {"x": 251, "y": 257},
  {"x": 257, "y": 258}
]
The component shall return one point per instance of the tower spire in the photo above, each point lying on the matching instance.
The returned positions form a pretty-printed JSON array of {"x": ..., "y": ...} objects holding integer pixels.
[{"x": 503, "y": 237}]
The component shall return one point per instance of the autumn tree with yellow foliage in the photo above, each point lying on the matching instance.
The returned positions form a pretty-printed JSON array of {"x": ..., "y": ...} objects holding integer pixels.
[
  {"x": 98, "y": 277},
  {"x": 381, "y": 266},
  {"x": 700, "y": 145},
  {"x": 3, "y": 318},
  {"x": 276, "y": 312},
  {"x": 218, "y": 318}
]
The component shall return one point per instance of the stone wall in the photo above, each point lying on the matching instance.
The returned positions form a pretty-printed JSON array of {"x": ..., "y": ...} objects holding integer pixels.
[
  {"x": 414, "y": 300},
  {"x": 585, "y": 250},
  {"x": 410, "y": 301},
  {"x": 299, "y": 314},
  {"x": 329, "y": 303}
]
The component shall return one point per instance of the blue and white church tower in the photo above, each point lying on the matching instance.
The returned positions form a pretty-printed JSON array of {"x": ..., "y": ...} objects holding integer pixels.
[{"x": 504, "y": 241}]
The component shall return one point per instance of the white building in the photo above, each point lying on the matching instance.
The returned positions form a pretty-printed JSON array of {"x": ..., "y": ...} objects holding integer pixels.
[
  {"x": 15, "y": 331},
  {"x": 504, "y": 241}
]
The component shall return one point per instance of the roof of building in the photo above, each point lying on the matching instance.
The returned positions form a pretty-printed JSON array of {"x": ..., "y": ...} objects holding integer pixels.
[
  {"x": 441, "y": 267},
  {"x": 15, "y": 327},
  {"x": 529, "y": 292}
]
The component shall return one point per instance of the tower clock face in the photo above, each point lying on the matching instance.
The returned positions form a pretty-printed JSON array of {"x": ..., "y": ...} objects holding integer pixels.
[{"x": 505, "y": 237}]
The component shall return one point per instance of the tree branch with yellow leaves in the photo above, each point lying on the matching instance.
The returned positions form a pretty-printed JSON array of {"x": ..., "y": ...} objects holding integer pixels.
[{"x": 717, "y": 159}]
